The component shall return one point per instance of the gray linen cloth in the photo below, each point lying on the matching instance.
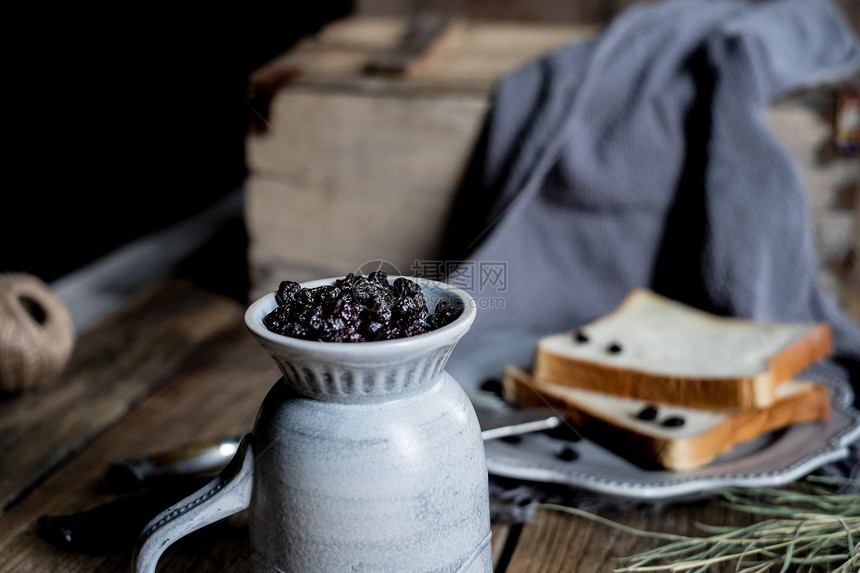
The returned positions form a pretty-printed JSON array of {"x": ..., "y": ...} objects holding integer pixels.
[{"x": 642, "y": 158}]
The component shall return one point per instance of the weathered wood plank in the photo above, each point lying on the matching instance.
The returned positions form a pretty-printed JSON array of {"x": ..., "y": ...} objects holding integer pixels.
[
  {"x": 499, "y": 540},
  {"x": 216, "y": 392},
  {"x": 114, "y": 365}
]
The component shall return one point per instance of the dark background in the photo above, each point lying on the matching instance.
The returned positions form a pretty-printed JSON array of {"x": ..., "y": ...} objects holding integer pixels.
[{"x": 119, "y": 123}]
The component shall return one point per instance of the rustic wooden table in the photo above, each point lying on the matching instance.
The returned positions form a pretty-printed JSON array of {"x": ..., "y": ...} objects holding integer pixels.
[{"x": 176, "y": 365}]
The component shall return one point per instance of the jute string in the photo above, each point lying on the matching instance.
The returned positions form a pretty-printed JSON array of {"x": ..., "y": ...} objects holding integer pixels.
[{"x": 36, "y": 333}]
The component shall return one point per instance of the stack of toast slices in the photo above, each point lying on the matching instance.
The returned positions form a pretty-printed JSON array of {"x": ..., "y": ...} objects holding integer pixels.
[{"x": 668, "y": 386}]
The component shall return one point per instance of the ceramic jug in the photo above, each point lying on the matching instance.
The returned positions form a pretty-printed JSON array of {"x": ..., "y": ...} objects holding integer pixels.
[{"x": 364, "y": 457}]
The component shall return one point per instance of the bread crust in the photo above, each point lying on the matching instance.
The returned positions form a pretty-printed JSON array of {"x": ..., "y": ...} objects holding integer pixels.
[
  {"x": 695, "y": 392},
  {"x": 795, "y": 357}
]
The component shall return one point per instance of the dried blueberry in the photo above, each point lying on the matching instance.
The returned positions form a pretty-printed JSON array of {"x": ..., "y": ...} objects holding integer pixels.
[
  {"x": 443, "y": 314},
  {"x": 361, "y": 290},
  {"x": 567, "y": 455},
  {"x": 328, "y": 294},
  {"x": 305, "y": 297},
  {"x": 277, "y": 320},
  {"x": 674, "y": 422},
  {"x": 493, "y": 386},
  {"x": 648, "y": 413},
  {"x": 405, "y": 287},
  {"x": 580, "y": 337},
  {"x": 614, "y": 348},
  {"x": 286, "y": 292},
  {"x": 380, "y": 277}
]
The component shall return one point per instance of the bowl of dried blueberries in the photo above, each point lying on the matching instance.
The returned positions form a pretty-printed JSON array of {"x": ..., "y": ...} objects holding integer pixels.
[{"x": 360, "y": 335}]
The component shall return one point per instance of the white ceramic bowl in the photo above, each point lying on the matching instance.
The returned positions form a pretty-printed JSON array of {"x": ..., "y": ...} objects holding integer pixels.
[{"x": 358, "y": 371}]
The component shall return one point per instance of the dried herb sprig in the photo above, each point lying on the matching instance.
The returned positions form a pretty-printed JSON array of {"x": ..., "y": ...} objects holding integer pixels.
[{"x": 812, "y": 526}]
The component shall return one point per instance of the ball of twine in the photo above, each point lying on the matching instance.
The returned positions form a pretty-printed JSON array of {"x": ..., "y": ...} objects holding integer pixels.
[{"x": 36, "y": 333}]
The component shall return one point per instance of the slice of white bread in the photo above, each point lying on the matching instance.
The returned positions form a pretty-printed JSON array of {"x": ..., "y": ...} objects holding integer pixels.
[
  {"x": 654, "y": 348},
  {"x": 614, "y": 422}
]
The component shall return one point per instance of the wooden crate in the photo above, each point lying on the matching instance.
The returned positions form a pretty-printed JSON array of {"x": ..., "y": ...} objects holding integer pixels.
[{"x": 352, "y": 165}]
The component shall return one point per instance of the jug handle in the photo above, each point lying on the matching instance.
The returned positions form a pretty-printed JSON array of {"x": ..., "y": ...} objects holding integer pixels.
[{"x": 226, "y": 494}]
